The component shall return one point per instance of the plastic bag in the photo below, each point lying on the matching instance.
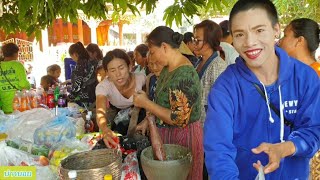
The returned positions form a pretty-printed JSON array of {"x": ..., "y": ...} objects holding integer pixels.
[
  {"x": 45, "y": 173},
  {"x": 28, "y": 122},
  {"x": 79, "y": 123},
  {"x": 29, "y": 147},
  {"x": 130, "y": 168},
  {"x": 13, "y": 157},
  {"x": 260, "y": 175},
  {"x": 64, "y": 148},
  {"x": 61, "y": 111},
  {"x": 122, "y": 116},
  {"x": 74, "y": 110},
  {"x": 6, "y": 122},
  {"x": 53, "y": 132}
]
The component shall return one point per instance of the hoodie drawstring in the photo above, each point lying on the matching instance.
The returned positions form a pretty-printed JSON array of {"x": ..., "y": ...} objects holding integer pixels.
[
  {"x": 281, "y": 116},
  {"x": 267, "y": 101},
  {"x": 281, "y": 111}
]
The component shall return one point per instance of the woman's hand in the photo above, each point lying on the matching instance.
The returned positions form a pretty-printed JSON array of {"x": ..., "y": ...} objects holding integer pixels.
[
  {"x": 140, "y": 98},
  {"x": 110, "y": 139},
  {"x": 66, "y": 82},
  {"x": 143, "y": 127}
]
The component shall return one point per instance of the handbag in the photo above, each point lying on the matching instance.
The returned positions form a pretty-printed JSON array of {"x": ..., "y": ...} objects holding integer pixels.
[{"x": 286, "y": 121}]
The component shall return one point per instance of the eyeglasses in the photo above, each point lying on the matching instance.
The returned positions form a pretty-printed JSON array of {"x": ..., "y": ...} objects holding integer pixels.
[{"x": 196, "y": 41}]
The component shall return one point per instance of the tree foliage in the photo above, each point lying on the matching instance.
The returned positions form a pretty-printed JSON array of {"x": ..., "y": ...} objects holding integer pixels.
[
  {"x": 292, "y": 9},
  {"x": 33, "y": 15},
  {"x": 287, "y": 9}
]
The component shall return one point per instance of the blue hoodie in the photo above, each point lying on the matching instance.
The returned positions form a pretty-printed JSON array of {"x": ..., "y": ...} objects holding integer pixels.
[{"x": 239, "y": 119}]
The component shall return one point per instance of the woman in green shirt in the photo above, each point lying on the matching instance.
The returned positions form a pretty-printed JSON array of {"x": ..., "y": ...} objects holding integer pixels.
[
  {"x": 177, "y": 98},
  {"x": 12, "y": 77}
]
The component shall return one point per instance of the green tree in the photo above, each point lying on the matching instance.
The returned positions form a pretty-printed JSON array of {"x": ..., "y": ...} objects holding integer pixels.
[
  {"x": 33, "y": 15},
  {"x": 287, "y": 9},
  {"x": 292, "y": 9}
]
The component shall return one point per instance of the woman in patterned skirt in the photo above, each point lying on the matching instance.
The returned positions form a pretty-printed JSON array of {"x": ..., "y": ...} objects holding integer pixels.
[{"x": 177, "y": 103}]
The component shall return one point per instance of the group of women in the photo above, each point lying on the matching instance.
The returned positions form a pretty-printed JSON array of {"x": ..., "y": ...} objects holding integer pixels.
[
  {"x": 176, "y": 102},
  {"x": 173, "y": 92}
]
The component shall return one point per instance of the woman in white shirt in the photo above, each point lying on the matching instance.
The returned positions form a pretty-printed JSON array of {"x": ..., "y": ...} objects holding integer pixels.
[{"x": 118, "y": 88}]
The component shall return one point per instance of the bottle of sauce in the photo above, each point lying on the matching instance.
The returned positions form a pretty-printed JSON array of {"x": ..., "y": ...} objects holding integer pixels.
[{"x": 88, "y": 125}]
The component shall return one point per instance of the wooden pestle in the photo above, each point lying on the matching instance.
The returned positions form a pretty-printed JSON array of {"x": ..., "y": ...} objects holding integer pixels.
[
  {"x": 156, "y": 141},
  {"x": 133, "y": 122}
]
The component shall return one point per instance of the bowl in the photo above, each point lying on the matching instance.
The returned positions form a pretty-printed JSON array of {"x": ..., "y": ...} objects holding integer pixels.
[{"x": 176, "y": 167}]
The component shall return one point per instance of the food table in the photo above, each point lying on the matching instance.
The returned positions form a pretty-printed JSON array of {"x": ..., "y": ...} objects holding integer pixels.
[{"x": 39, "y": 138}]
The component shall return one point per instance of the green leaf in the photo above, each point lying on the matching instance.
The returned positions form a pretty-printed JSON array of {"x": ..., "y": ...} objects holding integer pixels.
[
  {"x": 50, "y": 7},
  {"x": 123, "y": 5},
  {"x": 178, "y": 18},
  {"x": 35, "y": 10},
  {"x": 23, "y": 8},
  {"x": 133, "y": 9},
  {"x": 115, "y": 16}
]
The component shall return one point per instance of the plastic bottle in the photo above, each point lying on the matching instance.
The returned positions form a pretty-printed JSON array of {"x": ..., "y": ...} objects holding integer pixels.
[
  {"x": 90, "y": 114},
  {"x": 16, "y": 101},
  {"x": 72, "y": 175},
  {"x": 50, "y": 98},
  {"x": 56, "y": 93},
  {"x": 65, "y": 96},
  {"x": 23, "y": 102},
  {"x": 61, "y": 100},
  {"x": 92, "y": 120},
  {"x": 34, "y": 102},
  {"x": 28, "y": 98},
  {"x": 107, "y": 177},
  {"x": 41, "y": 96},
  {"x": 88, "y": 125}
]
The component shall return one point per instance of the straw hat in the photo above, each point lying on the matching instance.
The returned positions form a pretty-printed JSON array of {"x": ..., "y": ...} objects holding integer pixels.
[{"x": 184, "y": 49}]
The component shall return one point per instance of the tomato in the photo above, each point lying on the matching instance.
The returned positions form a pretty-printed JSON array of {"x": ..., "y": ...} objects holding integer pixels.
[
  {"x": 23, "y": 164},
  {"x": 116, "y": 140},
  {"x": 43, "y": 161}
]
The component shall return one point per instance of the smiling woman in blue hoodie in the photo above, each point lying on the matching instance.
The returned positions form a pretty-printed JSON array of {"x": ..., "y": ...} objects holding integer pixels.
[{"x": 242, "y": 127}]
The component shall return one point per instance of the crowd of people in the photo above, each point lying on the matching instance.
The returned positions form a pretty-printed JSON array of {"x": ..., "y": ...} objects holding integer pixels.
[{"x": 229, "y": 92}]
